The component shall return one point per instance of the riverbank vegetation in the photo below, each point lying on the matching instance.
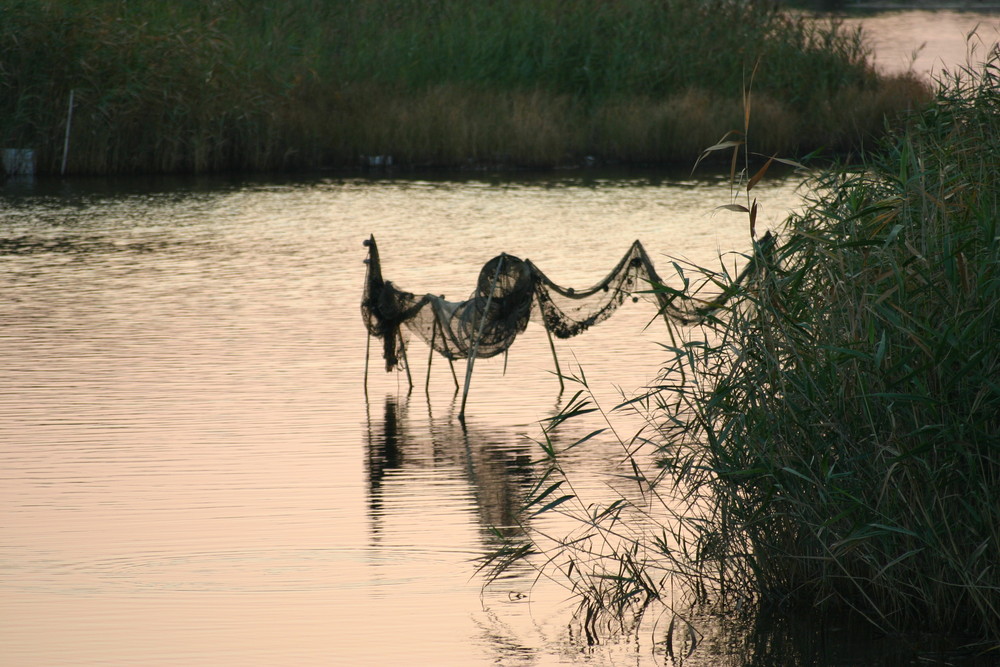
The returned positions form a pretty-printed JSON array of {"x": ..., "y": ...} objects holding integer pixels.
[
  {"x": 186, "y": 86},
  {"x": 829, "y": 440}
]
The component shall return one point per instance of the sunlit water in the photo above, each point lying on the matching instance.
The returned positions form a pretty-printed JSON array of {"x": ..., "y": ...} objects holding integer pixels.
[
  {"x": 190, "y": 470},
  {"x": 928, "y": 42},
  {"x": 191, "y": 473}
]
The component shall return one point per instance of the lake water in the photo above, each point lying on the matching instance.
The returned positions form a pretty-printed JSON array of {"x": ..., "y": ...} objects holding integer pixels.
[
  {"x": 191, "y": 472},
  {"x": 928, "y": 42}
]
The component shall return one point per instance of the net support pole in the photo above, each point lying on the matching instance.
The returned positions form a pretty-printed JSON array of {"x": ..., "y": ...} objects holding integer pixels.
[
  {"x": 552, "y": 346},
  {"x": 406, "y": 361},
  {"x": 475, "y": 343},
  {"x": 451, "y": 363},
  {"x": 430, "y": 357}
]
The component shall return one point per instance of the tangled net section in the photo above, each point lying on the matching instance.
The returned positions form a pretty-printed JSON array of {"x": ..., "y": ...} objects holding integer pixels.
[
  {"x": 508, "y": 293},
  {"x": 567, "y": 312}
]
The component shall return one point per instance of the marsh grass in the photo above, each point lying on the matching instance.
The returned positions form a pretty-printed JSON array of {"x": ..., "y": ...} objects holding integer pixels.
[
  {"x": 829, "y": 437},
  {"x": 237, "y": 84}
]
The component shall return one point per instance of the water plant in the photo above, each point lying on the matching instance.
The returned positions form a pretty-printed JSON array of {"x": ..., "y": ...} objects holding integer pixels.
[
  {"x": 828, "y": 439},
  {"x": 235, "y": 84}
]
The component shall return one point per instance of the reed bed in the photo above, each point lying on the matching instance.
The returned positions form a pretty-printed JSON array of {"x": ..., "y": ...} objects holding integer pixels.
[
  {"x": 236, "y": 84},
  {"x": 829, "y": 437}
]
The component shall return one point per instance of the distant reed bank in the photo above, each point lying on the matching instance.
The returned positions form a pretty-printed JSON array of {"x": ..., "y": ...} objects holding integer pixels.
[{"x": 196, "y": 86}]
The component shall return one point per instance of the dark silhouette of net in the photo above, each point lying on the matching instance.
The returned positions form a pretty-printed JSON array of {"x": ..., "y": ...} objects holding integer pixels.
[{"x": 509, "y": 291}]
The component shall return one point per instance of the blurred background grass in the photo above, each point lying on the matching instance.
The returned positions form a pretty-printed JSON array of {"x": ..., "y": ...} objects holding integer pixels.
[{"x": 185, "y": 86}]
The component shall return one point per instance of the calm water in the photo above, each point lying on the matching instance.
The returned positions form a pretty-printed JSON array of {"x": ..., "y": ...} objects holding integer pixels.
[
  {"x": 928, "y": 42},
  {"x": 190, "y": 472}
]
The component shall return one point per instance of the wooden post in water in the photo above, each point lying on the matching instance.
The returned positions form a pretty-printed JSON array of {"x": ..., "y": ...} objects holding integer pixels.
[
  {"x": 453, "y": 375},
  {"x": 479, "y": 335},
  {"x": 406, "y": 361},
  {"x": 430, "y": 356},
  {"x": 368, "y": 344}
]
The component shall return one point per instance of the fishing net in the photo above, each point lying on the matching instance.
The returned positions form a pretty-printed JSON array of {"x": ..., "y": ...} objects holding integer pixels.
[
  {"x": 506, "y": 295},
  {"x": 567, "y": 312}
]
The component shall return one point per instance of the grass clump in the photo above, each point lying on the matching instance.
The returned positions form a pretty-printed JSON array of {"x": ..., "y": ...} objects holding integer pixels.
[
  {"x": 239, "y": 84},
  {"x": 830, "y": 437},
  {"x": 850, "y": 402}
]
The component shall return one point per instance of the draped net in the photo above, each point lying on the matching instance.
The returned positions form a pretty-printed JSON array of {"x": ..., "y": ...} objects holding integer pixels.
[{"x": 508, "y": 293}]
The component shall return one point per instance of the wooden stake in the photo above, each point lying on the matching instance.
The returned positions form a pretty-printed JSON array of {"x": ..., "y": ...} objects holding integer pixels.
[
  {"x": 368, "y": 333},
  {"x": 451, "y": 364},
  {"x": 406, "y": 362},
  {"x": 552, "y": 346},
  {"x": 430, "y": 356},
  {"x": 475, "y": 344}
]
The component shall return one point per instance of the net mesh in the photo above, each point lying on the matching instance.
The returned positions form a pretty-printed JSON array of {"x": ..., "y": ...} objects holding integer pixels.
[{"x": 508, "y": 293}]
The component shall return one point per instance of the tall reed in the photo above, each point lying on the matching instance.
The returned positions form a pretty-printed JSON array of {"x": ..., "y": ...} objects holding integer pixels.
[{"x": 830, "y": 436}]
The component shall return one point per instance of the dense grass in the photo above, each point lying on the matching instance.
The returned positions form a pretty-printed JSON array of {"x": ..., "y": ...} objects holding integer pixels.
[
  {"x": 830, "y": 437},
  {"x": 241, "y": 84},
  {"x": 852, "y": 409}
]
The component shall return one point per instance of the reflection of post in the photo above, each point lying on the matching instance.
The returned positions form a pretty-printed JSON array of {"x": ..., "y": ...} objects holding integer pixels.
[
  {"x": 495, "y": 465},
  {"x": 498, "y": 473},
  {"x": 479, "y": 335},
  {"x": 451, "y": 365},
  {"x": 385, "y": 453},
  {"x": 368, "y": 333}
]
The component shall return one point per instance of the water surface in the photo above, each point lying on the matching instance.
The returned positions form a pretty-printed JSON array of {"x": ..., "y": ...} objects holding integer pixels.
[
  {"x": 191, "y": 472},
  {"x": 928, "y": 42}
]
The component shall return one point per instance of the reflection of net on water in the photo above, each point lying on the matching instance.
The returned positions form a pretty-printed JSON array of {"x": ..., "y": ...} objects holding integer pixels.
[
  {"x": 506, "y": 293},
  {"x": 402, "y": 451}
]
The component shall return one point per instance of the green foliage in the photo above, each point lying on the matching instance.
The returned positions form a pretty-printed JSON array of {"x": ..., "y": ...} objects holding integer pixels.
[
  {"x": 829, "y": 436},
  {"x": 243, "y": 84}
]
